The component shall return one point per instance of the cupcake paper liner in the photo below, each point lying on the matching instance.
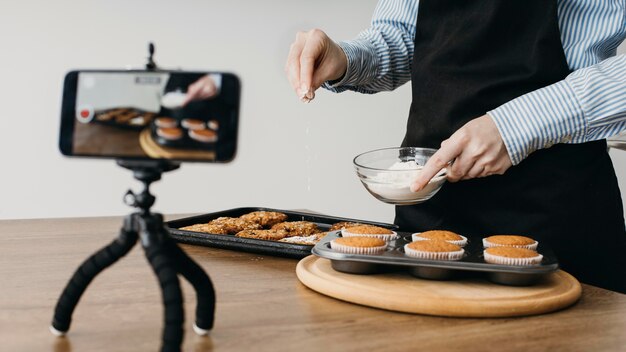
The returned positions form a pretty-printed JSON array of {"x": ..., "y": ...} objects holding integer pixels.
[
  {"x": 496, "y": 259},
  {"x": 462, "y": 242},
  {"x": 433, "y": 255},
  {"x": 387, "y": 238},
  {"x": 356, "y": 250},
  {"x": 488, "y": 244}
]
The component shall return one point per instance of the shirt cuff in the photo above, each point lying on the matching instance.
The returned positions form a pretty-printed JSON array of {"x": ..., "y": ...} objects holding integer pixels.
[
  {"x": 217, "y": 80},
  {"x": 361, "y": 68},
  {"x": 539, "y": 120}
]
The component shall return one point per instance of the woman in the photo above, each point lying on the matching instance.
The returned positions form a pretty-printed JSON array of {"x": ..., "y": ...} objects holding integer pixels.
[{"x": 519, "y": 95}]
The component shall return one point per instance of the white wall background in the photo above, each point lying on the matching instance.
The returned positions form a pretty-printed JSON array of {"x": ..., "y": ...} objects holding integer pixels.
[{"x": 291, "y": 155}]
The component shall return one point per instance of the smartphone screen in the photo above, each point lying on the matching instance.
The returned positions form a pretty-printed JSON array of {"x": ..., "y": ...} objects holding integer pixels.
[{"x": 185, "y": 116}]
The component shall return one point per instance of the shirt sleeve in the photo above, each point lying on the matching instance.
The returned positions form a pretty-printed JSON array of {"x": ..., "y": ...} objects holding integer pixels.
[
  {"x": 380, "y": 58},
  {"x": 217, "y": 80},
  {"x": 589, "y": 104}
]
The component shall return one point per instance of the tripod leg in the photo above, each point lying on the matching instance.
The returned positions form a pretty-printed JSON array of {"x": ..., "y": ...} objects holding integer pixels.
[
  {"x": 83, "y": 277},
  {"x": 205, "y": 294},
  {"x": 172, "y": 296}
]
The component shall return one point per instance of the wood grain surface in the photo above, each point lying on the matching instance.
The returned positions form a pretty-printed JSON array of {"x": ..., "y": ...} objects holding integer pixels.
[
  {"x": 454, "y": 298},
  {"x": 261, "y": 305},
  {"x": 97, "y": 139}
]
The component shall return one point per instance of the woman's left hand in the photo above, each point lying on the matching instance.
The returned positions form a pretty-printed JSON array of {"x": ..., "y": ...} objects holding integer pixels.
[{"x": 475, "y": 150}]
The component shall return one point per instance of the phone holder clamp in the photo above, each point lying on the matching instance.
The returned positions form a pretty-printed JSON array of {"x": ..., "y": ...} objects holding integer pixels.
[
  {"x": 151, "y": 65},
  {"x": 165, "y": 257}
]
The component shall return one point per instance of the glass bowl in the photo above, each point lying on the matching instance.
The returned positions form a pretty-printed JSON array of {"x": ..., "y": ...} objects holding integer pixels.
[{"x": 388, "y": 173}]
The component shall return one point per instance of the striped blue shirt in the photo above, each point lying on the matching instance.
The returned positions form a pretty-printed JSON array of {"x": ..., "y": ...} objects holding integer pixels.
[{"x": 589, "y": 104}]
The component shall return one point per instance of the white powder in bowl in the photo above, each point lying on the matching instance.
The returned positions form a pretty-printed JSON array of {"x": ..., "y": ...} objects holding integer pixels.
[
  {"x": 173, "y": 100},
  {"x": 396, "y": 185}
]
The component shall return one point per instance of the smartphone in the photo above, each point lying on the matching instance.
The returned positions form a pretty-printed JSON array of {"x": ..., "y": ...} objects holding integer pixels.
[{"x": 137, "y": 114}]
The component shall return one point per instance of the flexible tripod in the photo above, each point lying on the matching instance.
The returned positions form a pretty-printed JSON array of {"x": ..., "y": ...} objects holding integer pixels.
[{"x": 165, "y": 257}]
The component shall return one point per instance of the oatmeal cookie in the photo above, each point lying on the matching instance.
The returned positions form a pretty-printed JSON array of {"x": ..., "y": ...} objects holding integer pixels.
[
  {"x": 344, "y": 224},
  {"x": 207, "y": 228},
  {"x": 105, "y": 116},
  {"x": 125, "y": 117},
  {"x": 234, "y": 225},
  {"x": 321, "y": 235},
  {"x": 272, "y": 235},
  {"x": 265, "y": 218},
  {"x": 297, "y": 228},
  {"x": 308, "y": 240}
]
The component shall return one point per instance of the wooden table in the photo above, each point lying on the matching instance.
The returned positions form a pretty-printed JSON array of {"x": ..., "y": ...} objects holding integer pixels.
[
  {"x": 97, "y": 139},
  {"x": 261, "y": 305}
]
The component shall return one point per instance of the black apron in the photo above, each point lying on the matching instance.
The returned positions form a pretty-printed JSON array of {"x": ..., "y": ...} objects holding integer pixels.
[{"x": 472, "y": 56}]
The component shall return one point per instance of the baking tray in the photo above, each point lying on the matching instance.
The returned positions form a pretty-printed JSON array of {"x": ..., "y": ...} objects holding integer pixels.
[
  {"x": 253, "y": 245},
  {"x": 115, "y": 113},
  {"x": 185, "y": 142},
  {"x": 472, "y": 263}
]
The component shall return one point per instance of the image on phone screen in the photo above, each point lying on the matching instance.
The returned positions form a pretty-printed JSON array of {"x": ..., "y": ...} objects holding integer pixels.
[{"x": 150, "y": 115}]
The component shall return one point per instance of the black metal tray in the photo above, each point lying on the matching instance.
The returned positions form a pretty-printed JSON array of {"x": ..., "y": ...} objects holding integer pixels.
[
  {"x": 253, "y": 245},
  {"x": 471, "y": 264}
]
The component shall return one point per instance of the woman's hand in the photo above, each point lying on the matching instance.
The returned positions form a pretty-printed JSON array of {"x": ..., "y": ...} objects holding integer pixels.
[
  {"x": 476, "y": 150},
  {"x": 313, "y": 59},
  {"x": 203, "y": 88}
]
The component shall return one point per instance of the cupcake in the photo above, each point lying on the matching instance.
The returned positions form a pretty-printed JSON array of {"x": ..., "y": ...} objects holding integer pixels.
[
  {"x": 447, "y": 236},
  {"x": 510, "y": 241},
  {"x": 359, "y": 245},
  {"x": 511, "y": 256},
  {"x": 192, "y": 124},
  {"x": 434, "y": 250},
  {"x": 171, "y": 134},
  {"x": 369, "y": 231},
  {"x": 165, "y": 122},
  {"x": 213, "y": 124},
  {"x": 204, "y": 135}
]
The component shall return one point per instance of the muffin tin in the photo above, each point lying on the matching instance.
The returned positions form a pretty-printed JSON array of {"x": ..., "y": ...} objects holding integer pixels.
[
  {"x": 275, "y": 248},
  {"x": 186, "y": 142},
  {"x": 124, "y": 117},
  {"x": 472, "y": 263}
]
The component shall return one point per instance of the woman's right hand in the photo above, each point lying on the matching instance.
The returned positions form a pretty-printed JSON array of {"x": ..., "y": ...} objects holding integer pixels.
[
  {"x": 203, "y": 88},
  {"x": 313, "y": 59}
]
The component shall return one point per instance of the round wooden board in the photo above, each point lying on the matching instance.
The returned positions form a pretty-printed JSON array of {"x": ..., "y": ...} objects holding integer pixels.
[
  {"x": 154, "y": 150},
  {"x": 465, "y": 298}
]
